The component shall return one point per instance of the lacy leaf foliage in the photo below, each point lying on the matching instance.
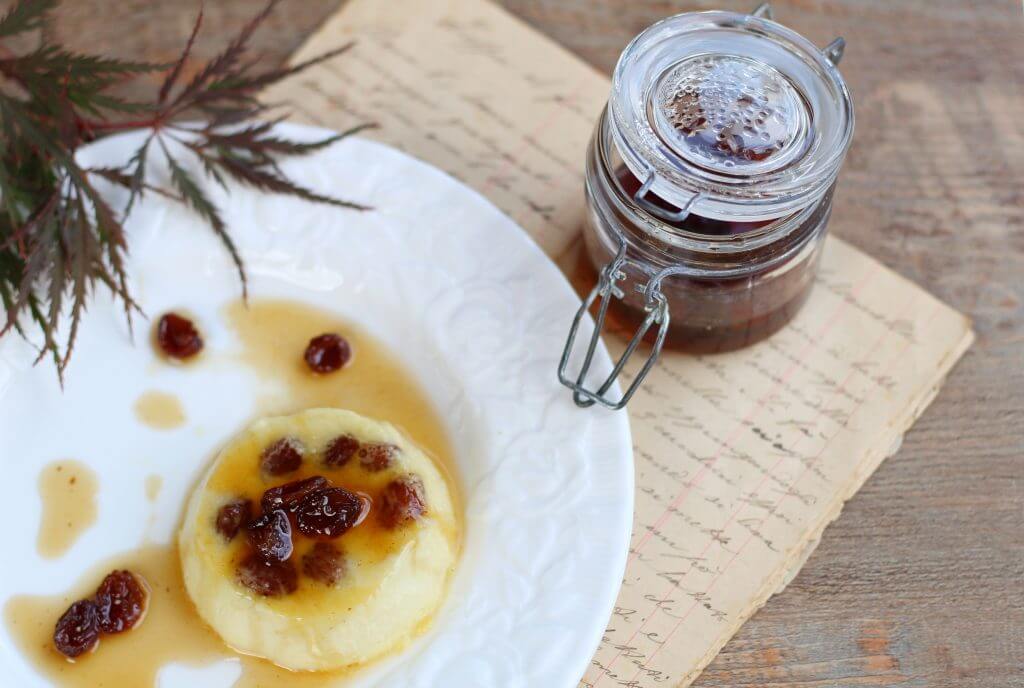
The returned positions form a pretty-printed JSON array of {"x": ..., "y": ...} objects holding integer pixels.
[{"x": 60, "y": 238}]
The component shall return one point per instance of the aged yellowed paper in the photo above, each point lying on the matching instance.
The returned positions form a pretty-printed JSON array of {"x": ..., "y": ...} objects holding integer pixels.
[
  {"x": 742, "y": 459},
  {"x": 468, "y": 88}
]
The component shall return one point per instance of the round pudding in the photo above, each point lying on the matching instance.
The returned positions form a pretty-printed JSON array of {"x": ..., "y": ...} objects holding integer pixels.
[{"x": 319, "y": 540}]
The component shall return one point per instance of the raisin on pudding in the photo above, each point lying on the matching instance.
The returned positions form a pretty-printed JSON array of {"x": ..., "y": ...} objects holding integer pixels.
[
  {"x": 340, "y": 450},
  {"x": 328, "y": 513},
  {"x": 317, "y": 509},
  {"x": 271, "y": 536},
  {"x": 268, "y": 578},
  {"x": 232, "y": 516},
  {"x": 402, "y": 501},
  {"x": 377, "y": 457},
  {"x": 325, "y": 564},
  {"x": 283, "y": 456},
  {"x": 290, "y": 495}
]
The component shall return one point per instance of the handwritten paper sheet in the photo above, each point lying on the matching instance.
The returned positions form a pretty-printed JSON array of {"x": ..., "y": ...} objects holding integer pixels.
[
  {"x": 465, "y": 86},
  {"x": 742, "y": 459}
]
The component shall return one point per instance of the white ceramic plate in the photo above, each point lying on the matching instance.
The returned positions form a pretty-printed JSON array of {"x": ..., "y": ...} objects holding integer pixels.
[{"x": 466, "y": 300}]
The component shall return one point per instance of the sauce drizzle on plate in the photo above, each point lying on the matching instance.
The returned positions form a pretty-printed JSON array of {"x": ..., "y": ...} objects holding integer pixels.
[
  {"x": 68, "y": 493},
  {"x": 273, "y": 337}
]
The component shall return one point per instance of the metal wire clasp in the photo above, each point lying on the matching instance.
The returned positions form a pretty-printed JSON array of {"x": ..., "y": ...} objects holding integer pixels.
[
  {"x": 655, "y": 306},
  {"x": 606, "y": 289}
]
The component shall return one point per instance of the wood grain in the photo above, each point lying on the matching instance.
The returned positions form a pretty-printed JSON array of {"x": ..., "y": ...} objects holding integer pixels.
[{"x": 921, "y": 580}]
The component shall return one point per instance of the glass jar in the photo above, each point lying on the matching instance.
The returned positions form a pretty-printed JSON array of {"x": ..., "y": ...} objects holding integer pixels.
[{"x": 709, "y": 186}]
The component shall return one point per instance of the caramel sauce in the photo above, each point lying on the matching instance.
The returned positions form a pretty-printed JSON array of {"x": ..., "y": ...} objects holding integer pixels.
[
  {"x": 159, "y": 410},
  {"x": 273, "y": 336},
  {"x": 68, "y": 493},
  {"x": 171, "y": 632}
]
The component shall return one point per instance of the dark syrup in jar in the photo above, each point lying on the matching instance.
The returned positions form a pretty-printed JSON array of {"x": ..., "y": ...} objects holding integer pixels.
[{"x": 712, "y": 315}]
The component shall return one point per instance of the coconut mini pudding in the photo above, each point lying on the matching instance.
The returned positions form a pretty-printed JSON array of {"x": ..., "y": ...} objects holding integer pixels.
[{"x": 319, "y": 540}]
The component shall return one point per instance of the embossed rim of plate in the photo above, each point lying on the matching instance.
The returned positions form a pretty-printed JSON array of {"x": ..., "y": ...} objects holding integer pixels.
[{"x": 532, "y": 595}]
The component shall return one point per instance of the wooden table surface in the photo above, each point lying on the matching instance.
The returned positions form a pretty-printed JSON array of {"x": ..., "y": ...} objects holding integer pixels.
[{"x": 921, "y": 580}]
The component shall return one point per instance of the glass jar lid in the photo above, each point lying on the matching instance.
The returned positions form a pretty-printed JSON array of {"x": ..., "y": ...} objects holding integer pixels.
[{"x": 730, "y": 116}]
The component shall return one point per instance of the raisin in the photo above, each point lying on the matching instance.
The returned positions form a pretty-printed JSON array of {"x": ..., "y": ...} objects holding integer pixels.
[
  {"x": 232, "y": 516},
  {"x": 402, "y": 500},
  {"x": 283, "y": 456},
  {"x": 327, "y": 353},
  {"x": 268, "y": 578},
  {"x": 325, "y": 563},
  {"x": 329, "y": 512},
  {"x": 340, "y": 450},
  {"x": 377, "y": 457},
  {"x": 271, "y": 536},
  {"x": 122, "y": 599},
  {"x": 78, "y": 630},
  {"x": 289, "y": 495},
  {"x": 178, "y": 337}
]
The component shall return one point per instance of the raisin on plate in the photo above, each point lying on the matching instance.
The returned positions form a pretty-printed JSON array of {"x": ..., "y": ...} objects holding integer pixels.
[
  {"x": 178, "y": 337},
  {"x": 122, "y": 599},
  {"x": 327, "y": 353},
  {"x": 78, "y": 630}
]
